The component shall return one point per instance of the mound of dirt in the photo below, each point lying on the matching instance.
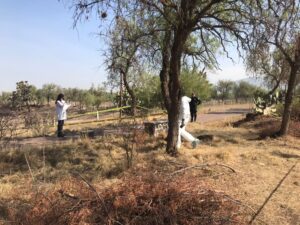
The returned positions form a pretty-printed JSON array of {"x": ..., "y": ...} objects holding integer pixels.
[
  {"x": 137, "y": 199},
  {"x": 267, "y": 126}
]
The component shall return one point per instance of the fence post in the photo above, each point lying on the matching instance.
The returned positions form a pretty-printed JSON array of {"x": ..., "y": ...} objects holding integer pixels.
[{"x": 97, "y": 115}]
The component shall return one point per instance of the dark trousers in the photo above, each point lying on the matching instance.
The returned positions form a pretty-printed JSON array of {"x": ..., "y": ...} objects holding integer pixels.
[
  {"x": 60, "y": 127},
  {"x": 193, "y": 116}
]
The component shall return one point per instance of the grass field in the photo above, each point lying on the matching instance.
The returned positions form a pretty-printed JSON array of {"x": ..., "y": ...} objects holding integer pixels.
[{"x": 237, "y": 163}]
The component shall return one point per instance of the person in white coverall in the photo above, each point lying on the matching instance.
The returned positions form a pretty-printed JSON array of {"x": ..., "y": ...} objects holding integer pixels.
[
  {"x": 184, "y": 118},
  {"x": 61, "y": 111}
]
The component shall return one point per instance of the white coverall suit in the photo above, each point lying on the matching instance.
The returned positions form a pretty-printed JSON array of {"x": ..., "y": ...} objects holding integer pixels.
[{"x": 185, "y": 115}]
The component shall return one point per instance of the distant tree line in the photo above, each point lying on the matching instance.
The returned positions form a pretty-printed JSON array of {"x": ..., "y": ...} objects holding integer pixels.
[
  {"x": 26, "y": 96},
  {"x": 146, "y": 88}
]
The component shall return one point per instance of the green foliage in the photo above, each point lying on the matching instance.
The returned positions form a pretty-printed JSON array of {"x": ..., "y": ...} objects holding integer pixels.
[
  {"x": 295, "y": 115},
  {"x": 5, "y": 98},
  {"x": 193, "y": 81},
  {"x": 100, "y": 95},
  {"x": 260, "y": 92},
  {"x": 27, "y": 95},
  {"x": 49, "y": 92},
  {"x": 92, "y": 98},
  {"x": 23, "y": 95},
  {"x": 224, "y": 89},
  {"x": 243, "y": 90},
  {"x": 149, "y": 91}
]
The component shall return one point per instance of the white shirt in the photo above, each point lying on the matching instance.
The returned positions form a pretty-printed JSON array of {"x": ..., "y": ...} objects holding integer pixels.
[
  {"x": 185, "y": 108},
  {"x": 61, "y": 109}
]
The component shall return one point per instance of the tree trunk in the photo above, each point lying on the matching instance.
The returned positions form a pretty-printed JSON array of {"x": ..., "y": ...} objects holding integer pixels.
[
  {"x": 290, "y": 92},
  {"x": 174, "y": 89},
  {"x": 164, "y": 73},
  {"x": 131, "y": 93},
  {"x": 171, "y": 70},
  {"x": 275, "y": 87}
]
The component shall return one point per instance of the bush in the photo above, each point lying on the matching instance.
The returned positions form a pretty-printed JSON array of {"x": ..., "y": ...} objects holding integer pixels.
[
  {"x": 38, "y": 124},
  {"x": 295, "y": 115},
  {"x": 8, "y": 126}
]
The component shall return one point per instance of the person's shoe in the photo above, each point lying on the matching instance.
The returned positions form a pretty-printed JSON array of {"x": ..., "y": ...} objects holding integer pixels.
[{"x": 195, "y": 143}]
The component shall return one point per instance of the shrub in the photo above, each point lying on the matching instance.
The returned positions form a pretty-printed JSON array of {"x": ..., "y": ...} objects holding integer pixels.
[{"x": 295, "y": 115}]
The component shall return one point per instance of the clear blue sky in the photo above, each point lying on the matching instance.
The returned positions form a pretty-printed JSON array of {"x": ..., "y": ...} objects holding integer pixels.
[{"x": 38, "y": 44}]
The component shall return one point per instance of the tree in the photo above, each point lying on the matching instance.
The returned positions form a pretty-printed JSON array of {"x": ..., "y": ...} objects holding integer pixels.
[
  {"x": 99, "y": 94},
  {"x": 194, "y": 81},
  {"x": 224, "y": 89},
  {"x": 149, "y": 91},
  {"x": 4, "y": 98},
  {"x": 243, "y": 90},
  {"x": 123, "y": 56},
  {"x": 72, "y": 94},
  {"x": 50, "y": 91},
  {"x": 272, "y": 66},
  {"x": 23, "y": 95},
  {"x": 276, "y": 24},
  {"x": 170, "y": 25},
  {"x": 39, "y": 97}
]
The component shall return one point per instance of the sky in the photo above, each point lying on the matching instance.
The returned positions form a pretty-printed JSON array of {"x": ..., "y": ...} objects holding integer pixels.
[{"x": 38, "y": 44}]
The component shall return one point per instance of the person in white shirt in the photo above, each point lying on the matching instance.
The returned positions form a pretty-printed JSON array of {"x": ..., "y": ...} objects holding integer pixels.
[
  {"x": 184, "y": 118},
  {"x": 61, "y": 111}
]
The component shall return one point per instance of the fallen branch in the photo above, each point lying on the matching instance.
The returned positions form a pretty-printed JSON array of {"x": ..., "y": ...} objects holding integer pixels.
[
  {"x": 271, "y": 194},
  {"x": 201, "y": 166}
]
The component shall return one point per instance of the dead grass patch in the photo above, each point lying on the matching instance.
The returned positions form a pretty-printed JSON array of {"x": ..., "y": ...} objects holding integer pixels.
[
  {"x": 139, "y": 199},
  {"x": 267, "y": 126}
]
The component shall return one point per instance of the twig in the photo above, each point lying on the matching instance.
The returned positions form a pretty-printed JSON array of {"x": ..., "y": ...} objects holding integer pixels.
[
  {"x": 44, "y": 164},
  {"x": 29, "y": 167},
  {"x": 201, "y": 166},
  {"x": 271, "y": 194},
  {"x": 94, "y": 189},
  {"x": 244, "y": 205}
]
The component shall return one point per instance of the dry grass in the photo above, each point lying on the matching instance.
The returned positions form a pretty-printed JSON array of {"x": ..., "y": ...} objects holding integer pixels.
[
  {"x": 142, "y": 198},
  {"x": 259, "y": 166}
]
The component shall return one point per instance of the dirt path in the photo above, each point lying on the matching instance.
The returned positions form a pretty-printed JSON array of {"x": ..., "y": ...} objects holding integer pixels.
[{"x": 219, "y": 114}]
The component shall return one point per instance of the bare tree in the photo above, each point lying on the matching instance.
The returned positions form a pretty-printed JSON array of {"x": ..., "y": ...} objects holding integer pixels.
[
  {"x": 271, "y": 66},
  {"x": 124, "y": 56},
  {"x": 277, "y": 26}
]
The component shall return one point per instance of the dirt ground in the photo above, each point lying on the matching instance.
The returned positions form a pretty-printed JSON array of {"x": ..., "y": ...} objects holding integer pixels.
[
  {"x": 260, "y": 164},
  {"x": 206, "y": 115},
  {"x": 238, "y": 162}
]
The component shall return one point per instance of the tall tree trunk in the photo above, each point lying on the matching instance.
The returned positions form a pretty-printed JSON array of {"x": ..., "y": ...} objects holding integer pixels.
[
  {"x": 290, "y": 92},
  {"x": 131, "y": 93},
  {"x": 170, "y": 73},
  {"x": 288, "y": 103},
  {"x": 164, "y": 73},
  {"x": 174, "y": 89}
]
